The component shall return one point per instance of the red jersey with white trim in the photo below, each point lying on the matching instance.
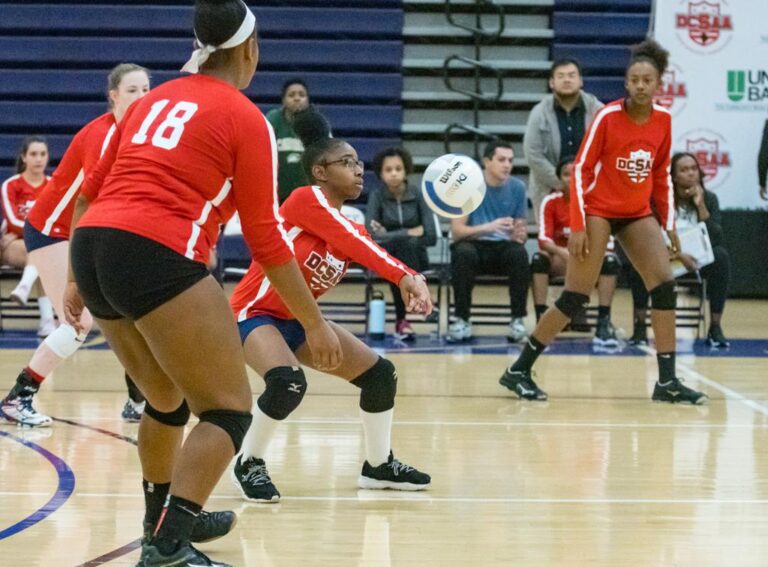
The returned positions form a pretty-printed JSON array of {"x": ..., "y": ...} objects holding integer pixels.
[
  {"x": 52, "y": 213},
  {"x": 555, "y": 220},
  {"x": 17, "y": 197},
  {"x": 622, "y": 167},
  {"x": 183, "y": 159},
  {"x": 324, "y": 243}
]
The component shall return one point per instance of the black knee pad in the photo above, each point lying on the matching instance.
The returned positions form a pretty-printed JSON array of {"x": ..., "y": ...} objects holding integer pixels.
[
  {"x": 571, "y": 303},
  {"x": 540, "y": 264},
  {"x": 664, "y": 296},
  {"x": 176, "y": 418},
  {"x": 378, "y": 386},
  {"x": 235, "y": 423},
  {"x": 611, "y": 266},
  {"x": 286, "y": 386}
]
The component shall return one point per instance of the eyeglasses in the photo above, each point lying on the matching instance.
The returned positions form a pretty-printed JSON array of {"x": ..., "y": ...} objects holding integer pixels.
[{"x": 347, "y": 162}]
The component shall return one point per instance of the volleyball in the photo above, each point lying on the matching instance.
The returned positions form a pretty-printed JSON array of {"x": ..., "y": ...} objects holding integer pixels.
[{"x": 453, "y": 185}]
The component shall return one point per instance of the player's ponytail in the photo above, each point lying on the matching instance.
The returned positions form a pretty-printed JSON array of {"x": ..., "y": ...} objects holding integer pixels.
[
  {"x": 314, "y": 131},
  {"x": 650, "y": 51}
]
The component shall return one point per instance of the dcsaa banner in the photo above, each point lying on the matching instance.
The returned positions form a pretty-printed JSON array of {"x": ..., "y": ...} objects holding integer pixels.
[{"x": 717, "y": 90}]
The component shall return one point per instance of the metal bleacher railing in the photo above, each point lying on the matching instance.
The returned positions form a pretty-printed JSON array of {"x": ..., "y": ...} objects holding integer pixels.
[{"x": 481, "y": 36}]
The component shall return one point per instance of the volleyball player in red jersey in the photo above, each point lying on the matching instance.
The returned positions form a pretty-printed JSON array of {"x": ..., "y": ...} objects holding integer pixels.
[
  {"x": 324, "y": 242},
  {"x": 552, "y": 257},
  {"x": 18, "y": 195},
  {"x": 621, "y": 186},
  {"x": 46, "y": 235},
  {"x": 182, "y": 161}
]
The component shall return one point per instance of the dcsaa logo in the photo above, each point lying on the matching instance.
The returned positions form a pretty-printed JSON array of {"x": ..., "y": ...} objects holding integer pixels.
[
  {"x": 673, "y": 92},
  {"x": 704, "y": 27},
  {"x": 711, "y": 151},
  {"x": 637, "y": 166}
]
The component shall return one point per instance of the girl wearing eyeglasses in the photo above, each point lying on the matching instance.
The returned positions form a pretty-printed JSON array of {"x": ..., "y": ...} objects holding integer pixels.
[{"x": 324, "y": 243}]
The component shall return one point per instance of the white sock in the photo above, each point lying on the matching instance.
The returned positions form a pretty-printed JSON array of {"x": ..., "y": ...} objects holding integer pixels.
[
  {"x": 28, "y": 276},
  {"x": 259, "y": 434},
  {"x": 378, "y": 435},
  {"x": 46, "y": 309}
]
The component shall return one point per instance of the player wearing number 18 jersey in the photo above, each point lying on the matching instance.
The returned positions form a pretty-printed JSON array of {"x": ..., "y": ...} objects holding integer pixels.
[{"x": 180, "y": 163}]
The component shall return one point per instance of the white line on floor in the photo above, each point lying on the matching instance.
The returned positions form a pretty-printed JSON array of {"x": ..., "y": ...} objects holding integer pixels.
[
  {"x": 517, "y": 424},
  {"x": 364, "y": 496}
]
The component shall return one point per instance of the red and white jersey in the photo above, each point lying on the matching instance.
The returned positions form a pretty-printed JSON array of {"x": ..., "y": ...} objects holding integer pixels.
[
  {"x": 622, "y": 167},
  {"x": 183, "y": 159},
  {"x": 555, "y": 220},
  {"x": 17, "y": 197},
  {"x": 324, "y": 242},
  {"x": 52, "y": 213}
]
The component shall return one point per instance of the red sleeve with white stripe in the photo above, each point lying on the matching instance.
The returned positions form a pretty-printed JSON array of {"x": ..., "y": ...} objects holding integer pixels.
[
  {"x": 584, "y": 169},
  {"x": 11, "y": 205},
  {"x": 663, "y": 193},
  {"x": 314, "y": 214},
  {"x": 255, "y": 191},
  {"x": 95, "y": 179},
  {"x": 547, "y": 221}
]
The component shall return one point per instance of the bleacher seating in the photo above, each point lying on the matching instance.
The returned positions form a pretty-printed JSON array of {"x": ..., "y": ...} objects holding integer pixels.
[
  {"x": 598, "y": 33},
  {"x": 54, "y": 57}
]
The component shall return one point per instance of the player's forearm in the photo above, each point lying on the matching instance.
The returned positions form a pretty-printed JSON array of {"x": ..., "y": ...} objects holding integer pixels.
[
  {"x": 293, "y": 290},
  {"x": 466, "y": 232},
  {"x": 81, "y": 205}
]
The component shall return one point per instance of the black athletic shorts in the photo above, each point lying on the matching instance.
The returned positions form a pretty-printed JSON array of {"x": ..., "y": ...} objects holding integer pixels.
[
  {"x": 121, "y": 274},
  {"x": 618, "y": 224}
]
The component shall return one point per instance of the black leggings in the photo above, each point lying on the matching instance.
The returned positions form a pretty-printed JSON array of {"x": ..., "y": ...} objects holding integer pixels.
[
  {"x": 717, "y": 274},
  {"x": 411, "y": 252}
]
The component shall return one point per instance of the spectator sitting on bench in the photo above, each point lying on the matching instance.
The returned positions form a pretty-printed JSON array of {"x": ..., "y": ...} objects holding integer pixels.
[
  {"x": 18, "y": 195},
  {"x": 693, "y": 204},
  {"x": 400, "y": 222},
  {"x": 491, "y": 240},
  {"x": 552, "y": 257}
]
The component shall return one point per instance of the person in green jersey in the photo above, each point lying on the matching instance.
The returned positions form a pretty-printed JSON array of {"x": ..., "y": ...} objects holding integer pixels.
[{"x": 295, "y": 97}]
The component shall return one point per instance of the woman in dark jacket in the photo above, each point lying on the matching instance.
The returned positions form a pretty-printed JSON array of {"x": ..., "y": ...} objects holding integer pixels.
[
  {"x": 693, "y": 204},
  {"x": 400, "y": 221}
]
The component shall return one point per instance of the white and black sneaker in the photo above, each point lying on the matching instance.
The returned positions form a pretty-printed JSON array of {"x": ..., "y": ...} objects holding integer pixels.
[
  {"x": 19, "y": 410},
  {"x": 252, "y": 478},
  {"x": 674, "y": 392},
  {"x": 605, "y": 334},
  {"x": 521, "y": 383},
  {"x": 393, "y": 475},
  {"x": 459, "y": 331},
  {"x": 185, "y": 556}
]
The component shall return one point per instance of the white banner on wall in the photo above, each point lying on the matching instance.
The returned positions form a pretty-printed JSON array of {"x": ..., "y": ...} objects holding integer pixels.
[{"x": 717, "y": 89}]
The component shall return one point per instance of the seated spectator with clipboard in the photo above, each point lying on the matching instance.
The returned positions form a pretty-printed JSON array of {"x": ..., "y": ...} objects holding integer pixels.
[{"x": 701, "y": 237}]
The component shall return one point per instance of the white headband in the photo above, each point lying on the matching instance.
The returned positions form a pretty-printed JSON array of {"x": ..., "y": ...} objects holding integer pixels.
[{"x": 201, "y": 54}]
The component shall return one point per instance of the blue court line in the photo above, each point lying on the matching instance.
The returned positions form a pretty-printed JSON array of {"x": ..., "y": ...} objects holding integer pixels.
[
  {"x": 64, "y": 490},
  {"x": 425, "y": 344}
]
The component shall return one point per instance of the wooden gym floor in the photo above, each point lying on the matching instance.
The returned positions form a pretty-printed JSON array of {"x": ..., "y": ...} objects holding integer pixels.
[{"x": 597, "y": 476}]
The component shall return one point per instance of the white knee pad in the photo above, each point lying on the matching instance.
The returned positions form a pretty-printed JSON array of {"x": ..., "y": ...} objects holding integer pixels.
[{"x": 64, "y": 341}]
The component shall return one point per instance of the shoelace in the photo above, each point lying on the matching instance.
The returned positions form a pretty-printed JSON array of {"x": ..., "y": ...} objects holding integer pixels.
[
  {"x": 26, "y": 404},
  {"x": 398, "y": 467},
  {"x": 257, "y": 474}
]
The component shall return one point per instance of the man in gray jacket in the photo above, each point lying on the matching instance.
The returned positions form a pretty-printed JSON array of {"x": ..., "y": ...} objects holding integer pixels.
[{"x": 556, "y": 127}]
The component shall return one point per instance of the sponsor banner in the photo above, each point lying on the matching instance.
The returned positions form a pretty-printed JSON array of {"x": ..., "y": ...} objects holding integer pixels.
[{"x": 716, "y": 88}]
